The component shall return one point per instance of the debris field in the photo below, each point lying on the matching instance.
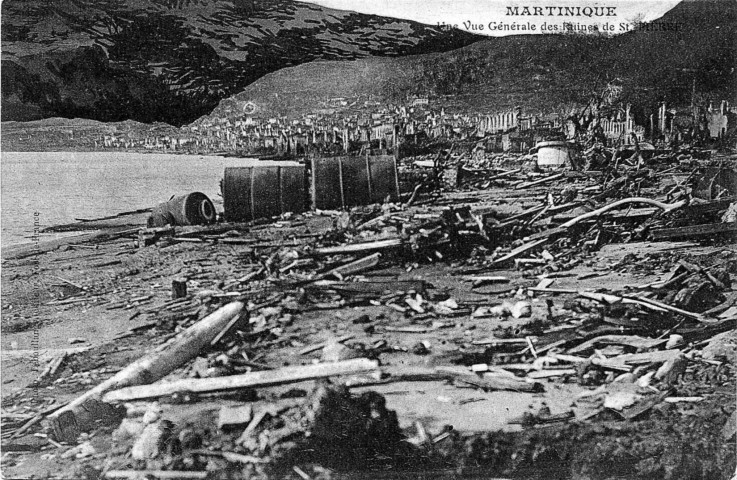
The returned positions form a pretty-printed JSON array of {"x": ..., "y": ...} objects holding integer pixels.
[{"x": 494, "y": 320}]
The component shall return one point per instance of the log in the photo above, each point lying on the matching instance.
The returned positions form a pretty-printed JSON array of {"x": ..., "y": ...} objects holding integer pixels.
[
  {"x": 666, "y": 207},
  {"x": 154, "y": 366},
  {"x": 247, "y": 380}
]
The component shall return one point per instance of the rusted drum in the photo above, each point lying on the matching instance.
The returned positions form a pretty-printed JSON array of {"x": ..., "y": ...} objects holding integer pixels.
[
  {"x": 192, "y": 209},
  {"x": 263, "y": 191},
  {"x": 343, "y": 182}
]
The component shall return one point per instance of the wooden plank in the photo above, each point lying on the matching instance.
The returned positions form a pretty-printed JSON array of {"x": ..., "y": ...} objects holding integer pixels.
[
  {"x": 360, "y": 247},
  {"x": 154, "y": 366},
  {"x": 541, "y": 181},
  {"x": 696, "y": 209},
  {"x": 247, "y": 380},
  {"x": 356, "y": 266},
  {"x": 519, "y": 251},
  {"x": 321, "y": 345},
  {"x": 491, "y": 381},
  {"x": 378, "y": 288},
  {"x": 693, "y": 231}
]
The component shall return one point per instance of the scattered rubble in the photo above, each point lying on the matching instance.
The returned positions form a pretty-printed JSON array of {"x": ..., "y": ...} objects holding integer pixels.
[{"x": 278, "y": 346}]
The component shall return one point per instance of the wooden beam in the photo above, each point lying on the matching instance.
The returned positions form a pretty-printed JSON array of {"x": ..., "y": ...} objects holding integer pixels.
[
  {"x": 519, "y": 251},
  {"x": 541, "y": 181},
  {"x": 360, "y": 247},
  {"x": 626, "y": 201},
  {"x": 265, "y": 378},
  {"x": 156, "y": 365},
  {"x": 693, "y": 231}
]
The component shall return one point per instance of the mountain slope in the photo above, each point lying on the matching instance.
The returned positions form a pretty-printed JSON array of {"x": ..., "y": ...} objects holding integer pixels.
[
  {"x": 540, "y": 73},
  {"x": 173, "y": 60}
]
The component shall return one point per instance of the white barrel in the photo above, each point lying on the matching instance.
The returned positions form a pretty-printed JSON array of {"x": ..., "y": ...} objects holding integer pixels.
[{"x": 552, "y": 154}]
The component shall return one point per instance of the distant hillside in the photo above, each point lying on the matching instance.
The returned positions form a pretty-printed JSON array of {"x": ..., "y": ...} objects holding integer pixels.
[
  {"x": 67, "y": 135},
  {"x": 543, "y": 73},
  {"x": 174, "y": 60}
]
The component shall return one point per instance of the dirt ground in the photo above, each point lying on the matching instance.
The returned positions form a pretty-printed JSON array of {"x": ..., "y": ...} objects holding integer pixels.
[{"x": 106, "y": 304}]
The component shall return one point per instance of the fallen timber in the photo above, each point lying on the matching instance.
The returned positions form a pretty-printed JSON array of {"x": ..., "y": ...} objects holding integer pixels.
[
  {"x": 247, "y": 380},
  {"x": 400, "y": 284},
  {"x": 151, "y": 367}
]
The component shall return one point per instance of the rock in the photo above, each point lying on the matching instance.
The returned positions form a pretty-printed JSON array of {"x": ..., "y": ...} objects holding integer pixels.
[
  {"x": 521, "y": 309},
  {"x": 129, "y": 428},
  {"x": 449, "y": 303},
  {"x": 730, "y": 215},
  {"x": 153, "y": 413},
  {"x": 674, "y": 341},
  {"x": 234, "y": 416},
  {"x": 363, "y": 319},
  {"x": 697, "y": 296},
  {"x": 74, "y": 340},
  {"x": 495, "y": 311},
  {"x": 153, "y": 441},
  {"x": 672, "y": 369},
  {"x": 645, "y": 380},
  {"x": 722, "y": 347},
  {"x": 189, "y": 438},
  {"x": 421, "y": 348},
  {"x": 335, "y": 352},
  {"x": 621, "y": 400},
  {"x": 348, "y": 430},
  {"x": 415, "y": 304},
  {"x": 199, "y": 367}
]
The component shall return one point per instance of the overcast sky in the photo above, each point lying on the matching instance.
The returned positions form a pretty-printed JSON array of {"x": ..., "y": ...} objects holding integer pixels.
[{"x": 485, "y": 11}]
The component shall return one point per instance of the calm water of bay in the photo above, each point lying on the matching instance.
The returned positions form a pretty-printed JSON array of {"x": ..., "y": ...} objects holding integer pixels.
[{"x": 62, "y": 186}]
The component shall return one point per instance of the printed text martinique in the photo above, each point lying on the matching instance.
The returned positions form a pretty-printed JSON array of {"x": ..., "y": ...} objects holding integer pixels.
[{"x": 563, "y": 11}]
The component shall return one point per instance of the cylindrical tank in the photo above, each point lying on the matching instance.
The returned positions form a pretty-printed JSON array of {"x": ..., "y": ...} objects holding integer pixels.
[
  {"x": 192, "y": 209},
  {"x": 552, "y": 154}
]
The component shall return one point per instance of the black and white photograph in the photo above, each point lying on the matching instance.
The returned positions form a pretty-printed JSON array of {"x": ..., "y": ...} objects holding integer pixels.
[{"x": 353, "y": 239}]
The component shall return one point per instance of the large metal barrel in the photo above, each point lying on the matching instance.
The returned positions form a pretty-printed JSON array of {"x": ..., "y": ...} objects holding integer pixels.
[
  {"x": 552, "y": 154},
  {"x": 192, "y": 209},
  {"x": 263, "y": 191}
]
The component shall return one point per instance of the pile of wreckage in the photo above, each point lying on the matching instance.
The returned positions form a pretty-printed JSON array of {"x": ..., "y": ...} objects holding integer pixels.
[{"x": 497, "y": 221}]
